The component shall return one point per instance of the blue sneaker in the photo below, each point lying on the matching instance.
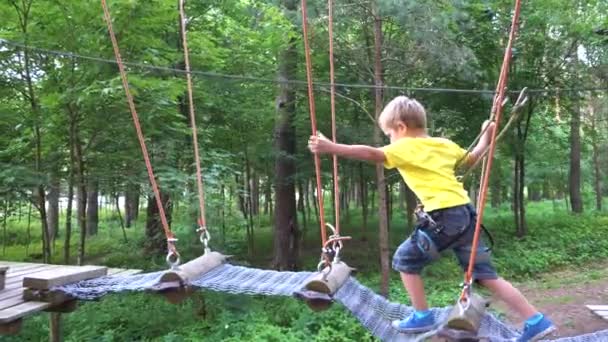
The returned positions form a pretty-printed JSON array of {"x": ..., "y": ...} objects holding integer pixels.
[
  {"x": 414, "y": 324},
  {"x": 534, "y": 332}
]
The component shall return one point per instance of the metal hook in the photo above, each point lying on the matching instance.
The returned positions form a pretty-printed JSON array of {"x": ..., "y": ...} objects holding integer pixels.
[{"x": 173, "y": 259}]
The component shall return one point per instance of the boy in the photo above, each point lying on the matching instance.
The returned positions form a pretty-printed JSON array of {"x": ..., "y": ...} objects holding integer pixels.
[{"x": 427, "y": 166}]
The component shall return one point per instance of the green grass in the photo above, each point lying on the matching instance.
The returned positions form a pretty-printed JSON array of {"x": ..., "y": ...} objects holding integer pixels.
[{"x": 556, "y": 240}]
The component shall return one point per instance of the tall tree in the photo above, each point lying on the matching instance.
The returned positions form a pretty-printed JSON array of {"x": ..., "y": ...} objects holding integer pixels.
[
  {"x": 286, "y": 229},
  {"x": 380, "y": 179}
]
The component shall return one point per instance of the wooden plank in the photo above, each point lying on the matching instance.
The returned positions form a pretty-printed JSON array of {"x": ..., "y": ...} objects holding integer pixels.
[
  {"x": 597, "y": 307},
  {"x": 47, "y": 279},
  {"x": 11, "y": 302},
  {"x": 35, "y": 269},
  {"x": 17, "y": 280},
  {"x": 53, "y": 297},
  {"x": 7, "y": 294},
  {"x": 21, "y": 310},
  {"x": 16, "y": 263},
  {"x": 13, "y": 268}
]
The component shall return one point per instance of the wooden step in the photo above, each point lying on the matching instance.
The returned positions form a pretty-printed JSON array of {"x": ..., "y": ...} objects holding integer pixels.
[
  {"x": 62, "y": 276},
  {"x": 600, "y": 310}
]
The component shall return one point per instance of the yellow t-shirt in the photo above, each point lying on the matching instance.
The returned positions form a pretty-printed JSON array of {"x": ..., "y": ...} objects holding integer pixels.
[{"x": 427, "y": 166}]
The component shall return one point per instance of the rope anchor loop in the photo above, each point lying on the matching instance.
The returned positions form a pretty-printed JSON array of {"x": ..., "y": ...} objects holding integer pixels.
[
  {"x": 330, "y": 253},
  {"x": 173, "y": 258},
  {"x": 204, "y": 237}
]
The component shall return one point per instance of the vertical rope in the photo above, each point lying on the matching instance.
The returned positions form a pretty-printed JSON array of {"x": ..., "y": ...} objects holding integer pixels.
[
  {"x": 123, "y": 75},
  {"x": 199, "y": 179},
  {"x": 333, "y": 115},
  {"x": 313, "y": 121},
  {"x": 497, "y": 112}
]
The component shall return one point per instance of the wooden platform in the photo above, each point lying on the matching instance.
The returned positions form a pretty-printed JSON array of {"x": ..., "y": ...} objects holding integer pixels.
[
  {"x": 600, "y": 310},
  {"x": 13, "y": 306}
]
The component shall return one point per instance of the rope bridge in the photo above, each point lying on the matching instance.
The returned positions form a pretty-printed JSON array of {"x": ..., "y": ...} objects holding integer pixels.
[{"x": 373, "y": 311}]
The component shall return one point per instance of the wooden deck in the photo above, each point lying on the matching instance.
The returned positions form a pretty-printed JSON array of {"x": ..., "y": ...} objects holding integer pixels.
[
  {"x": 38, "y": 277},
  {"x": 600, "y": 310}
]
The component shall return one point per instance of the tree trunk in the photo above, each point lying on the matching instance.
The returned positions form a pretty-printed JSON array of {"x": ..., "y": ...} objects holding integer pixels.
[
  {"x": 68, "y": 211},
  {"x": 92, "y": 208},
  {"x": 382, "y": 210},
  {"x": 402, "y": 197},
  {"x": 28, "y": 229},
  {"x": 53, "y": 208},
  {"x": 363, "y": 187},
  {"x": 81, "y": 217},
  {"x": 518, "y": 196},
  {"x": 248, "y": 180},
  {"x": 223, "y": 215},
  {"x": 534, "y": 192},
  {"x": 156, "y": 243},
  {"x": 315, "y": 204},
  {"x": 574, "y": 177},
  {"x": 267, "y": 196},
  {"x": 4, "y": 237},
  {"x": 302, "y": 209},
  {"x": 122, "y": 224},
  {"x": 286, "y": 248},
  {"x": 496, "y": 186},
  {"x": 240, "y": 192},
  {"x": 597, "y": 175},
  {"x": 518, "y": 184},
  {"x": 40, "y": 196},
  {"x": 255, "y": 193},
  {"x": 131, "y": 204},
  {"x": 519, "y": 206}
]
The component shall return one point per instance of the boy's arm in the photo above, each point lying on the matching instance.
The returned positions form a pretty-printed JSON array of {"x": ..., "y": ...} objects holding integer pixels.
[
  {"x": 322, "y": 145},
  {"x": 483, "y": 144},
  {"x": 359, "y": 152}
]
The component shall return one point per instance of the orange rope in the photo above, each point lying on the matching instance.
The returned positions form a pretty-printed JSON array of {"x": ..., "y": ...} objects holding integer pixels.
[
  {"x": 333, "y": 115},
  {"x": 197, "y": 161},
  {"x": 497, "y": 111},
  {"x": 123, "y": 75},
  {"x": 313, "y": 121}
]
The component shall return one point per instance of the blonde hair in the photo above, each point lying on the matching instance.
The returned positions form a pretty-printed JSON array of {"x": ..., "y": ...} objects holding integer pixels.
[{"x": 405, "y": 110}]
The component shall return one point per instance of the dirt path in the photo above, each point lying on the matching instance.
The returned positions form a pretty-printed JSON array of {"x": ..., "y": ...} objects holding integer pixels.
[{"x": 563, "y": 295}]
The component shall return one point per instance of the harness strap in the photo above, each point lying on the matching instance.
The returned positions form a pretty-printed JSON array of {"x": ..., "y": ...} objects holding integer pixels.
[{"x": 424, "y": 221}]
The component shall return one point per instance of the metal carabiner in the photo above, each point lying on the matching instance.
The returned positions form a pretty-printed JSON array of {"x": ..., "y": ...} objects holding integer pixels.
[
  {"x": 204, "y": 237},
  {"x": 173, "y": 259}
]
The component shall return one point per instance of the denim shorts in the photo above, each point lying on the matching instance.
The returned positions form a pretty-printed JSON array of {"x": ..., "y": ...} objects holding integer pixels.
[{"x": 425, "y": 244}]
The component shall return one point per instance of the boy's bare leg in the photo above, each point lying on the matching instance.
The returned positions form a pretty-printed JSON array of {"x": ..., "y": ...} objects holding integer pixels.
[
  {"x": 415, "y": 288},
  {"x": 511, "y": 296}
]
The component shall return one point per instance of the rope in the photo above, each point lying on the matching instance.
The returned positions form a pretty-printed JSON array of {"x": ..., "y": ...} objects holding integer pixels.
[
  {"x": 496, "y": 115},
  {"x": 123, "y": 75},
  {"x": 146, "y": 66},
  {"x": 313, "y": 121},
  {"x": 330, "y": 24},
  {"x": 202, "y": 230}
]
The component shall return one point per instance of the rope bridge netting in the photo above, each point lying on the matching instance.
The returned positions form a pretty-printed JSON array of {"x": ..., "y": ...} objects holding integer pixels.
[{"x": 373, "y": 311}]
